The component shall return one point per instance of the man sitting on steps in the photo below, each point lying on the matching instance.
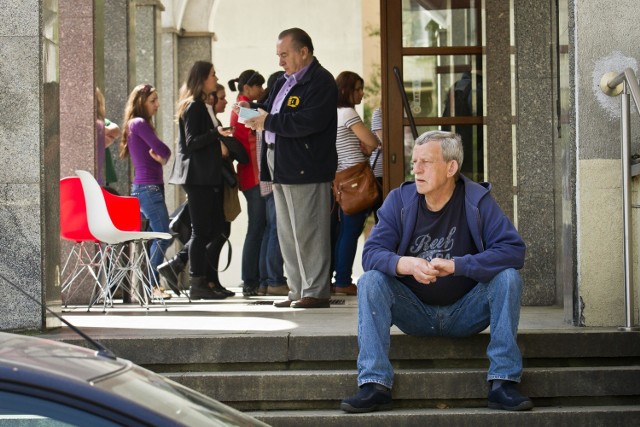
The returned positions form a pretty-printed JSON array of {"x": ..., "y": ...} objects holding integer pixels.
[{"x": 441, "y": 261}]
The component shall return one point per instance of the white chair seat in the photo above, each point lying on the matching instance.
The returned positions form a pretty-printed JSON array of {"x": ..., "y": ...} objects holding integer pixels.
[{"x": 103, "y": 229}]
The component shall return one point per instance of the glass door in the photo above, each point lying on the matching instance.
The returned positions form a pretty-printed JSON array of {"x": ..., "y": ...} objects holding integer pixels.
[{"x": 435, "y": 48}]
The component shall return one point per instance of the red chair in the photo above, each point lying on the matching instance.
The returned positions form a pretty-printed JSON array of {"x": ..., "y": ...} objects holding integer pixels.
[
  {"x": 123, "y": 210},
  {"x": 85, "y": 257}
]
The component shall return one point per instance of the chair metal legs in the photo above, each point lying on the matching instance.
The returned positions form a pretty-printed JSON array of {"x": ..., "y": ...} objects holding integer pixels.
[
  {"x": 84, "y": 261},
  {"x": 127, "y": 268}
]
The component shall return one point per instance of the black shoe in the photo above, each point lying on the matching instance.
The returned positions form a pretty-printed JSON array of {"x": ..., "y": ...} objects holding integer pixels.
[
  {"x": 249, "y": 291},
  {"x": 170, "y": 270},
  {"x": 200, "y": 290},
  {"x": 371, "y": 397},
  {"x": 219, "y": 288},
  {"x": 508, "y": 398}
]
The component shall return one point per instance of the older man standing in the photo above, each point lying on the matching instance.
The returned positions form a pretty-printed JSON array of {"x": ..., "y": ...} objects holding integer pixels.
[{"x": 299, "y": 156}]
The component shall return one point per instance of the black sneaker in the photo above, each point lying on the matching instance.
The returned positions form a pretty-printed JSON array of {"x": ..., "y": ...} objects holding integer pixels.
[
  {"x": 371, "y": 397},
  {"x": 507, "y": 397},
  {"x": 249, "y": 291}
]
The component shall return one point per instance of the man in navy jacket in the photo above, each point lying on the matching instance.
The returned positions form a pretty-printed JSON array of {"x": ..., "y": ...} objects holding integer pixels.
[
  {"x": 299, "y": 156},
  {"x": 441, "y": 261}
]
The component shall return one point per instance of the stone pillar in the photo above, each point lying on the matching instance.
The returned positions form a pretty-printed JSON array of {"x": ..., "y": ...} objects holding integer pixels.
[
  {"x": 192, "y": 48},
  {"x": 117, "y": 63},
  {"x": 604, "y": 39},
  {"x": 81, "y": 72},
  {"x": 498, "y": 141},
  {"x": 535, "y": 147},
  {"x": 29, "y": 155},
  {"x": 147, "y": 41},
  {"x": 168, "y": 131}
]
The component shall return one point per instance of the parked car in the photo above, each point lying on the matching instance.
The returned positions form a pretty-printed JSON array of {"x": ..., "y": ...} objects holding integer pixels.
[{"x": 44, "y": 382}]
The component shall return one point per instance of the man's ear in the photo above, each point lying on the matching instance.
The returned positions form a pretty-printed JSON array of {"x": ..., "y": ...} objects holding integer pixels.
[{"x": 452, "y": 168}]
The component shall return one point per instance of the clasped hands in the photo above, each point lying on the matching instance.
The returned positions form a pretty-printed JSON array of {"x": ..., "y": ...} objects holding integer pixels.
[{"x": 425, "y": 272}]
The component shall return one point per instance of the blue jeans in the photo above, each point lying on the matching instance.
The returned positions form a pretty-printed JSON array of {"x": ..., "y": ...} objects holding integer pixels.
[
  {"x": 271, "y": 263},
  {"x": 384, "y": 301},
  {"x": 253, "y": 240},
  {"x": 350, "y": 228},
  {"x": 153, "y": 207}
]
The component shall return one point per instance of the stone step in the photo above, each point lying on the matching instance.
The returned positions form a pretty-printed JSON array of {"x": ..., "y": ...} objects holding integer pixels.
[
  {"x": 420, "y": 388},
  {"x": 583, "y": 416},
  {"x": 290, "y": 349}
]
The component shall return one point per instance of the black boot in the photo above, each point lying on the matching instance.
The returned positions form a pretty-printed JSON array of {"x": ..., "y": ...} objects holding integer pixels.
[
  {"x": 199, "y": 289},
  {"x": 214, "y": 283},
  {"x": 216, "y": 286},
  {"x": 170, "y": 270}
]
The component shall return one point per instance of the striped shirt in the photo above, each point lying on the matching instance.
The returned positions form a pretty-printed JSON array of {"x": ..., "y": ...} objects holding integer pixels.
[
  {"x": 347, "y": 143},
  {"x": 376, "y": 124}
]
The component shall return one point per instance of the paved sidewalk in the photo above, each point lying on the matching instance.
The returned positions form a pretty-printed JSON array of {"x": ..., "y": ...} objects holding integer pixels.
[{"x": 252, "y": 316}]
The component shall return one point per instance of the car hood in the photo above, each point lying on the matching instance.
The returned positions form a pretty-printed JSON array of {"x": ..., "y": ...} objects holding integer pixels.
[{"x": 31, "y": 353}]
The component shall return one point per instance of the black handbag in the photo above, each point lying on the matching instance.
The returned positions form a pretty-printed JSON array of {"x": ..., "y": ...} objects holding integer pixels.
[
  {"x": 228, "y": 174},
  {"x": 236, "y": 149},
  {"x": 180, "y": 223}
]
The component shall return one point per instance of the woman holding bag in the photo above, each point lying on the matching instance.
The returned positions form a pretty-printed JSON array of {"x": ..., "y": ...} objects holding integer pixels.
[
  {"x": 198, "y": 168},
  {"x": 355, "y": 143}
]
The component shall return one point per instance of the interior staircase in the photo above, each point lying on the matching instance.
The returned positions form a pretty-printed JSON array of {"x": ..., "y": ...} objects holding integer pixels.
[{"x": 575, "y": 377}]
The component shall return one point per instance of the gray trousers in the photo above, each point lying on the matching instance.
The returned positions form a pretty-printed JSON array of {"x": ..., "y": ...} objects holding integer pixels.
[{"x": 304, "y": 232}]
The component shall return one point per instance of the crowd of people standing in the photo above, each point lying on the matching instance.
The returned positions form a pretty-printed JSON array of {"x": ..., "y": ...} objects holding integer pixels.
[
  {"x": 442, "y": 258},
  {"x": 299, "y": 243}
]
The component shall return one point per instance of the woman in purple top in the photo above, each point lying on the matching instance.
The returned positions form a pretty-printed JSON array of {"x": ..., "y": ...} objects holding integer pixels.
[{"x": 148, "y": 155}]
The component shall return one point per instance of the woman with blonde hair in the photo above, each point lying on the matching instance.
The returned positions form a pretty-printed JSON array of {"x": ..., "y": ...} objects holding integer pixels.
[{"x": 148, "y": 155}]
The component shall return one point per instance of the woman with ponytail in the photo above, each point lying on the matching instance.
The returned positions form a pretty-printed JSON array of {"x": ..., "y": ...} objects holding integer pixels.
[{"x": 249, "y": 86}]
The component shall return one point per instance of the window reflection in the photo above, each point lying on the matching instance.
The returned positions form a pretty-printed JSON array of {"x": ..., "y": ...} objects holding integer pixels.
[{"x": 438, "y": 23}]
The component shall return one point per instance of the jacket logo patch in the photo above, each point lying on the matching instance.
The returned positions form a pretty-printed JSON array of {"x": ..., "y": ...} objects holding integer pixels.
[{"x": 293, "y": 101}]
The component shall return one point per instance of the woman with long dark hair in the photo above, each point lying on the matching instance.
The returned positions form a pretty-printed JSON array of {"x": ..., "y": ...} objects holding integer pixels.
[
  {"x": 197, "y": 168},
  {"x": 354, "y": 143}
]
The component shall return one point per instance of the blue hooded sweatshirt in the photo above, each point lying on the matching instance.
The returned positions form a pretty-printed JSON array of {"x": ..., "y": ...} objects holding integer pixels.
[{"x": 499, "y": 245}]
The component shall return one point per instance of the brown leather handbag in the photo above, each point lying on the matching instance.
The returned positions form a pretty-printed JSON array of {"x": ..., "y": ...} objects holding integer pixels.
[{"x": 356, "y": 188}]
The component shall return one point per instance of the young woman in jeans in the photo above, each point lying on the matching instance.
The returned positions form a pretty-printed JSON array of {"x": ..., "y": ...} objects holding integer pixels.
[
  {"x": 148, "y": 155},
  {"x": 354, "y": 143},
  {"x": 249, "y": 86}
]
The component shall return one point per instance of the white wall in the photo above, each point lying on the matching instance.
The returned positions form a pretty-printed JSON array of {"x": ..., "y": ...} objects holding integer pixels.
[{"x": 247, "y": 32}]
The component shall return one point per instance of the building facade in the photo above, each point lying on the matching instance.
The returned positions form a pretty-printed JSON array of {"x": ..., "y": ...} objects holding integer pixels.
[{"x": 519, "y": 80}]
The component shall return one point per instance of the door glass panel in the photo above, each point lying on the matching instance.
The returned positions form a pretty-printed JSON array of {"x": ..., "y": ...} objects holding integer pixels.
[
  {"x": 429, "y": 80},
  {"x": 440, "y": 23},
  {"x": 472, "y": 143}
]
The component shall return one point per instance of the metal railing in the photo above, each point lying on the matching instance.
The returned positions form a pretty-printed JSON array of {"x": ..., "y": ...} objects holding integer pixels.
[{"x": 612, "y": 84}]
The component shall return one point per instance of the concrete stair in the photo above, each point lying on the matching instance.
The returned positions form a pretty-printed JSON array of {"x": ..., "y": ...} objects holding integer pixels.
[{"x": 576, "y": 377}]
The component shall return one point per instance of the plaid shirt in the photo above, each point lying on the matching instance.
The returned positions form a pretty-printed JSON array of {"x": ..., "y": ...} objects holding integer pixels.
[{"x": 265, "y": 186}]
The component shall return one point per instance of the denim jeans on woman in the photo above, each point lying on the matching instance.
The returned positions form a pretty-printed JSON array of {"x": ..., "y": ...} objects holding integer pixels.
[
  {"x": 384, "y": 300},
  {"x": 256, "y": 213},
  {"x": 349, "y": 229},
  {"x": 271, "y": 263},
  {"x": 154, "y": 208}
]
